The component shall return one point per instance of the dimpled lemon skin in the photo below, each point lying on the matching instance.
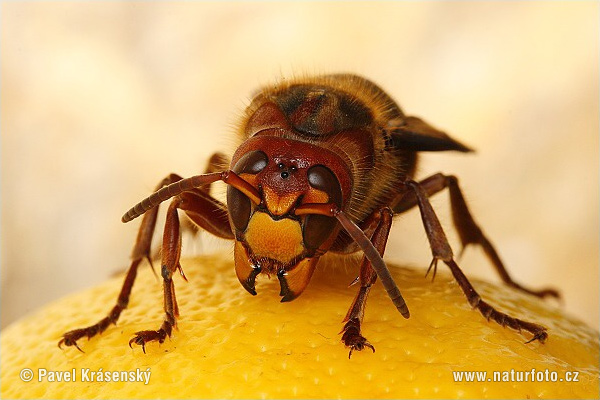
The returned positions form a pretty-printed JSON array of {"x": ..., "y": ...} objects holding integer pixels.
[{"x": 230, "y": 344}]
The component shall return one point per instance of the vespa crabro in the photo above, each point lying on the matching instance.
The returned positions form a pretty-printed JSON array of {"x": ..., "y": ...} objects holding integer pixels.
[{"x": 323, "y": 165}]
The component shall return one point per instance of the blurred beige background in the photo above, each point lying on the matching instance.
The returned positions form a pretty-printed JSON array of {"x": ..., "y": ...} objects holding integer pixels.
[{"x": 101, "y": 100}]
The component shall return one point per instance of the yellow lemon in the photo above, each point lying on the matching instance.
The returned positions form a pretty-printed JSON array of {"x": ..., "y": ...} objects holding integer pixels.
[{"x": 230, "y": 344}]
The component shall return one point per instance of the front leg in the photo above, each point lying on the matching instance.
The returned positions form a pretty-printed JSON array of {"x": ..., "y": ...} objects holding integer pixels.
[
  {"x": 141, "y": 250},
  {"x": 209, "y": 214},
  {"x": 351, "y": 334},
  {"x": 171, "y": 251}
]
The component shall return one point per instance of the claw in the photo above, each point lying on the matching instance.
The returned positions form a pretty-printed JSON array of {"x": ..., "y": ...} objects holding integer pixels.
[
  {"x": 360, "y": 346},
  {"x": 143, "y": 337},
  {"x": 139, "y": 341},
  {"x": 541, "y": 336},
  {"x": 70, "y": 338},
  {"x": 353, "y": 339},
  {"x": 77, "y": 347},
  {"x": 68, "y": 342}
]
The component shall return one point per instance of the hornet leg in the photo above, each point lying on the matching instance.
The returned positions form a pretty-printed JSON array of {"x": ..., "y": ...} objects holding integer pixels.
[
  {"x": 352, "y": 336},
  {"x": 441, "y": 251}
]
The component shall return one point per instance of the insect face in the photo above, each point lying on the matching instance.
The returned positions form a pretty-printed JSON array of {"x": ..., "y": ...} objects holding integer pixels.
[{"x": 270, "y": 236}]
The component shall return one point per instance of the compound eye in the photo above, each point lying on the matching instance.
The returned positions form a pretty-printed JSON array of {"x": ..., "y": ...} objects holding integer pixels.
[
  {"x": 317, "y": 228},
  {"x": 321, "y": 178},
  {"x": 238, "y": 204},
  {"x": 251, "y": 163}
]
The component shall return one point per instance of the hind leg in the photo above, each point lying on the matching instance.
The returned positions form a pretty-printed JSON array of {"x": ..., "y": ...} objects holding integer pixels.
[
  {"x": 468, "y": 230},
  {"x": 441, "y": 251}
]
